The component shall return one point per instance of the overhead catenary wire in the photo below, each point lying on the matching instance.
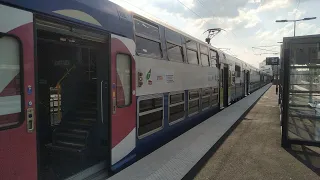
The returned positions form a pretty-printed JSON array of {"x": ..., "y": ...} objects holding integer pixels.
[
  {"x": 205, "y": 7},
  {"x": 192, "y": 11},
  {"x": 268, "y": 50}
]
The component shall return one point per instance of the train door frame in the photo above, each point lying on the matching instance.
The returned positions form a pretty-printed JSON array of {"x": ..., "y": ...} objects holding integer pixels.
[
  {"x": 244, "y": 83},
  {"x": 247, "y": 82},
  {"x": 103, "y": 77},
  {"x": 221, "y": 80},
  {"x": 225, "y": 85}
]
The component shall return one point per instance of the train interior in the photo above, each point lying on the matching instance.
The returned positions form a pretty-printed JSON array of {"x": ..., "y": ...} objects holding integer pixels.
[{"x": 70, "y": 138}]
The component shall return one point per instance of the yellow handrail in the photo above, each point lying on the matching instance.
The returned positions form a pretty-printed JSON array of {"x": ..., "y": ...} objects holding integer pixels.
[
  {"x": 65, "y": 75},
  {"x": 58, "y": 86}
]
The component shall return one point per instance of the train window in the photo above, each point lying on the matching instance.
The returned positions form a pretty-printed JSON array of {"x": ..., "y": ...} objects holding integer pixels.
[
  {"x": 213, "y": 54},
  {"x": 144, "y": 28},
  {"x": 213, "y": 58},
  {"x": 10, "y": 86},
  {"x": 148, "y": 47},
  {"x": 176, "y": 98},
  {"x": 176, "y": 107},
  {"x": 204, "y": 60},
  {"x": 214, "y": 100},
  {"x": 173, "y": 37},
  {"x": 203, "y": 49},
  {"x": 123, "y": 80},
  {"x": 191, "y": 44},
  {"x": 192, "y": 57},
  {"x": 175, "y": 52},
  {"x": 205, "y": 98},
  {"x": 193, "y": 101},
  {"x": 150, "y": 116},
  {"x": 238, "y": 70}
]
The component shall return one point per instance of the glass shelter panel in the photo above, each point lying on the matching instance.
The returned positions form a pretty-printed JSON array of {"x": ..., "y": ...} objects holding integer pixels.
[{"x": 303, "y": 110}]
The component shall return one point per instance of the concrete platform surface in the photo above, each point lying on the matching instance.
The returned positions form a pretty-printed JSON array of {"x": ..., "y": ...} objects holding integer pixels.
[
  {"x": 253, "y": 150},
  {"x": 176, "y": 158}
]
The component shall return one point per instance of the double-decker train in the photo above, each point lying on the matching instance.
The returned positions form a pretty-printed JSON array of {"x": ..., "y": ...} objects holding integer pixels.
[{"x": 89, "y": 85}]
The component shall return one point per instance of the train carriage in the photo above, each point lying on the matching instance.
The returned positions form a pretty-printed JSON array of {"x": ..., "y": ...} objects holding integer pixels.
[{"x": 89, "y": 85}]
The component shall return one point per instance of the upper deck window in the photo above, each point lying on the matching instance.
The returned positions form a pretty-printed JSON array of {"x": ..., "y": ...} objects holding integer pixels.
[
  {"x": 144, "y": 28},
  {"x": 174, "y": 46},
  {"x": 192, "y": 57},
  {"x": 147, "y": 39},
  {"x": 204, "y": 60},
  {"x": 174, "y": 37},
  {"x": 213, "y": 58},
  {"x": 238, "y": 70},
  {"x": 148, "y": 47},
  {"x": 203, "y": 49},
  {"x": 191, "y": 44},
  {"x": 175, "y": 52}
]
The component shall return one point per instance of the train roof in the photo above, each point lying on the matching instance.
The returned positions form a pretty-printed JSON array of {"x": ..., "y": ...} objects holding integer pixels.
[{"x": 99, "y": 14}]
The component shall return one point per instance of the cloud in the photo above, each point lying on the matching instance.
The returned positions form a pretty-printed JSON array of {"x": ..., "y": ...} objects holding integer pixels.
[
  {"x": 295, "y": 14},
  {"x": 204, "y": 8}
]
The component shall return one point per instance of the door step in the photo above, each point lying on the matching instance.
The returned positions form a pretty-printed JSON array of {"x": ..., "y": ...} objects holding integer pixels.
[
  {"x": 67, "y": 149},
  {"x": 80, "y": 123},
  {"x": 86, "y": 112},
  {"x": 72, "y": 130},
  {"x": 86, "y": 119},
  {"x": 70, "y": 144}
]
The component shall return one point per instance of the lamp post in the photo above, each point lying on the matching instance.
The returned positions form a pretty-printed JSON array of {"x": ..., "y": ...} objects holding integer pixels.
[{"x": 294, "y": 22}]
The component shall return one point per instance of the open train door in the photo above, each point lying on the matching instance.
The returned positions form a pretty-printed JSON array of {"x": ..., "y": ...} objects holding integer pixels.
[
  {"x": 247, "y": 82},
  {"x": 226, "y": 86},
  {"x": 221, "y": 89},
  {"x": 18, "y": 149}
]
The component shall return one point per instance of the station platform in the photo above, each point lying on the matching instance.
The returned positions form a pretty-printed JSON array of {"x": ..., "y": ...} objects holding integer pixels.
[
  {"x": 177, "y": 158},
  {"x": 253, "y": 150}
]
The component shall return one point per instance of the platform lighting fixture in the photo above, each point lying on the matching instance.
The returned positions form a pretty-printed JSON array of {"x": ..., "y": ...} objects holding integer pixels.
[{"x": 296, "y": 20}]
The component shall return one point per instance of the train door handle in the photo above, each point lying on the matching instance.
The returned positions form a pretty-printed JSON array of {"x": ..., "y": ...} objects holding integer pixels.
[
  {"x": 114, "y": 108},
  {"x": 103, "y": 86},
  {"x": 30, "y": 120}
]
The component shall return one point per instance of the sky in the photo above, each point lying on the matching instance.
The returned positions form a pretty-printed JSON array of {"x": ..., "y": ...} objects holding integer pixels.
[{"x": 248, "y": 23}]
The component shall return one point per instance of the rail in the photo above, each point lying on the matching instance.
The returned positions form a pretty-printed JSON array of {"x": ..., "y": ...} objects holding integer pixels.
[{"x": 59, "y": 89}]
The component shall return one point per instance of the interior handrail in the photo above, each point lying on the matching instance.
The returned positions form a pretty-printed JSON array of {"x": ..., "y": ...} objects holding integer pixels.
[
  {"x": 58, "y": 86},
  {"x": 65, "y": 76}
]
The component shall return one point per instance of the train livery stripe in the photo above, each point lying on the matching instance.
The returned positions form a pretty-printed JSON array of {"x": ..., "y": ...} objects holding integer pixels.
[
  {"x": 17, "y": 20},
  {"x": 123, "y": 122},
  {"x": 124, "y": 147},
  {"x": 76, "y": 14}
]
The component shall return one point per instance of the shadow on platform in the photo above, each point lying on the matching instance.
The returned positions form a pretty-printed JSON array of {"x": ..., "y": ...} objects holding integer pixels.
[{"x": 309, "y": 156}]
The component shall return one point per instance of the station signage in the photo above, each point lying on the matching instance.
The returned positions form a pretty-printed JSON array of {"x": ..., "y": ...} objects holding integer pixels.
[{"x": 272, "y": 60}]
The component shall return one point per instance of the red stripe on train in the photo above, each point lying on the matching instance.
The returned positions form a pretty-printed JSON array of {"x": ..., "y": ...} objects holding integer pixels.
[{"x": 9, "y": 119}]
